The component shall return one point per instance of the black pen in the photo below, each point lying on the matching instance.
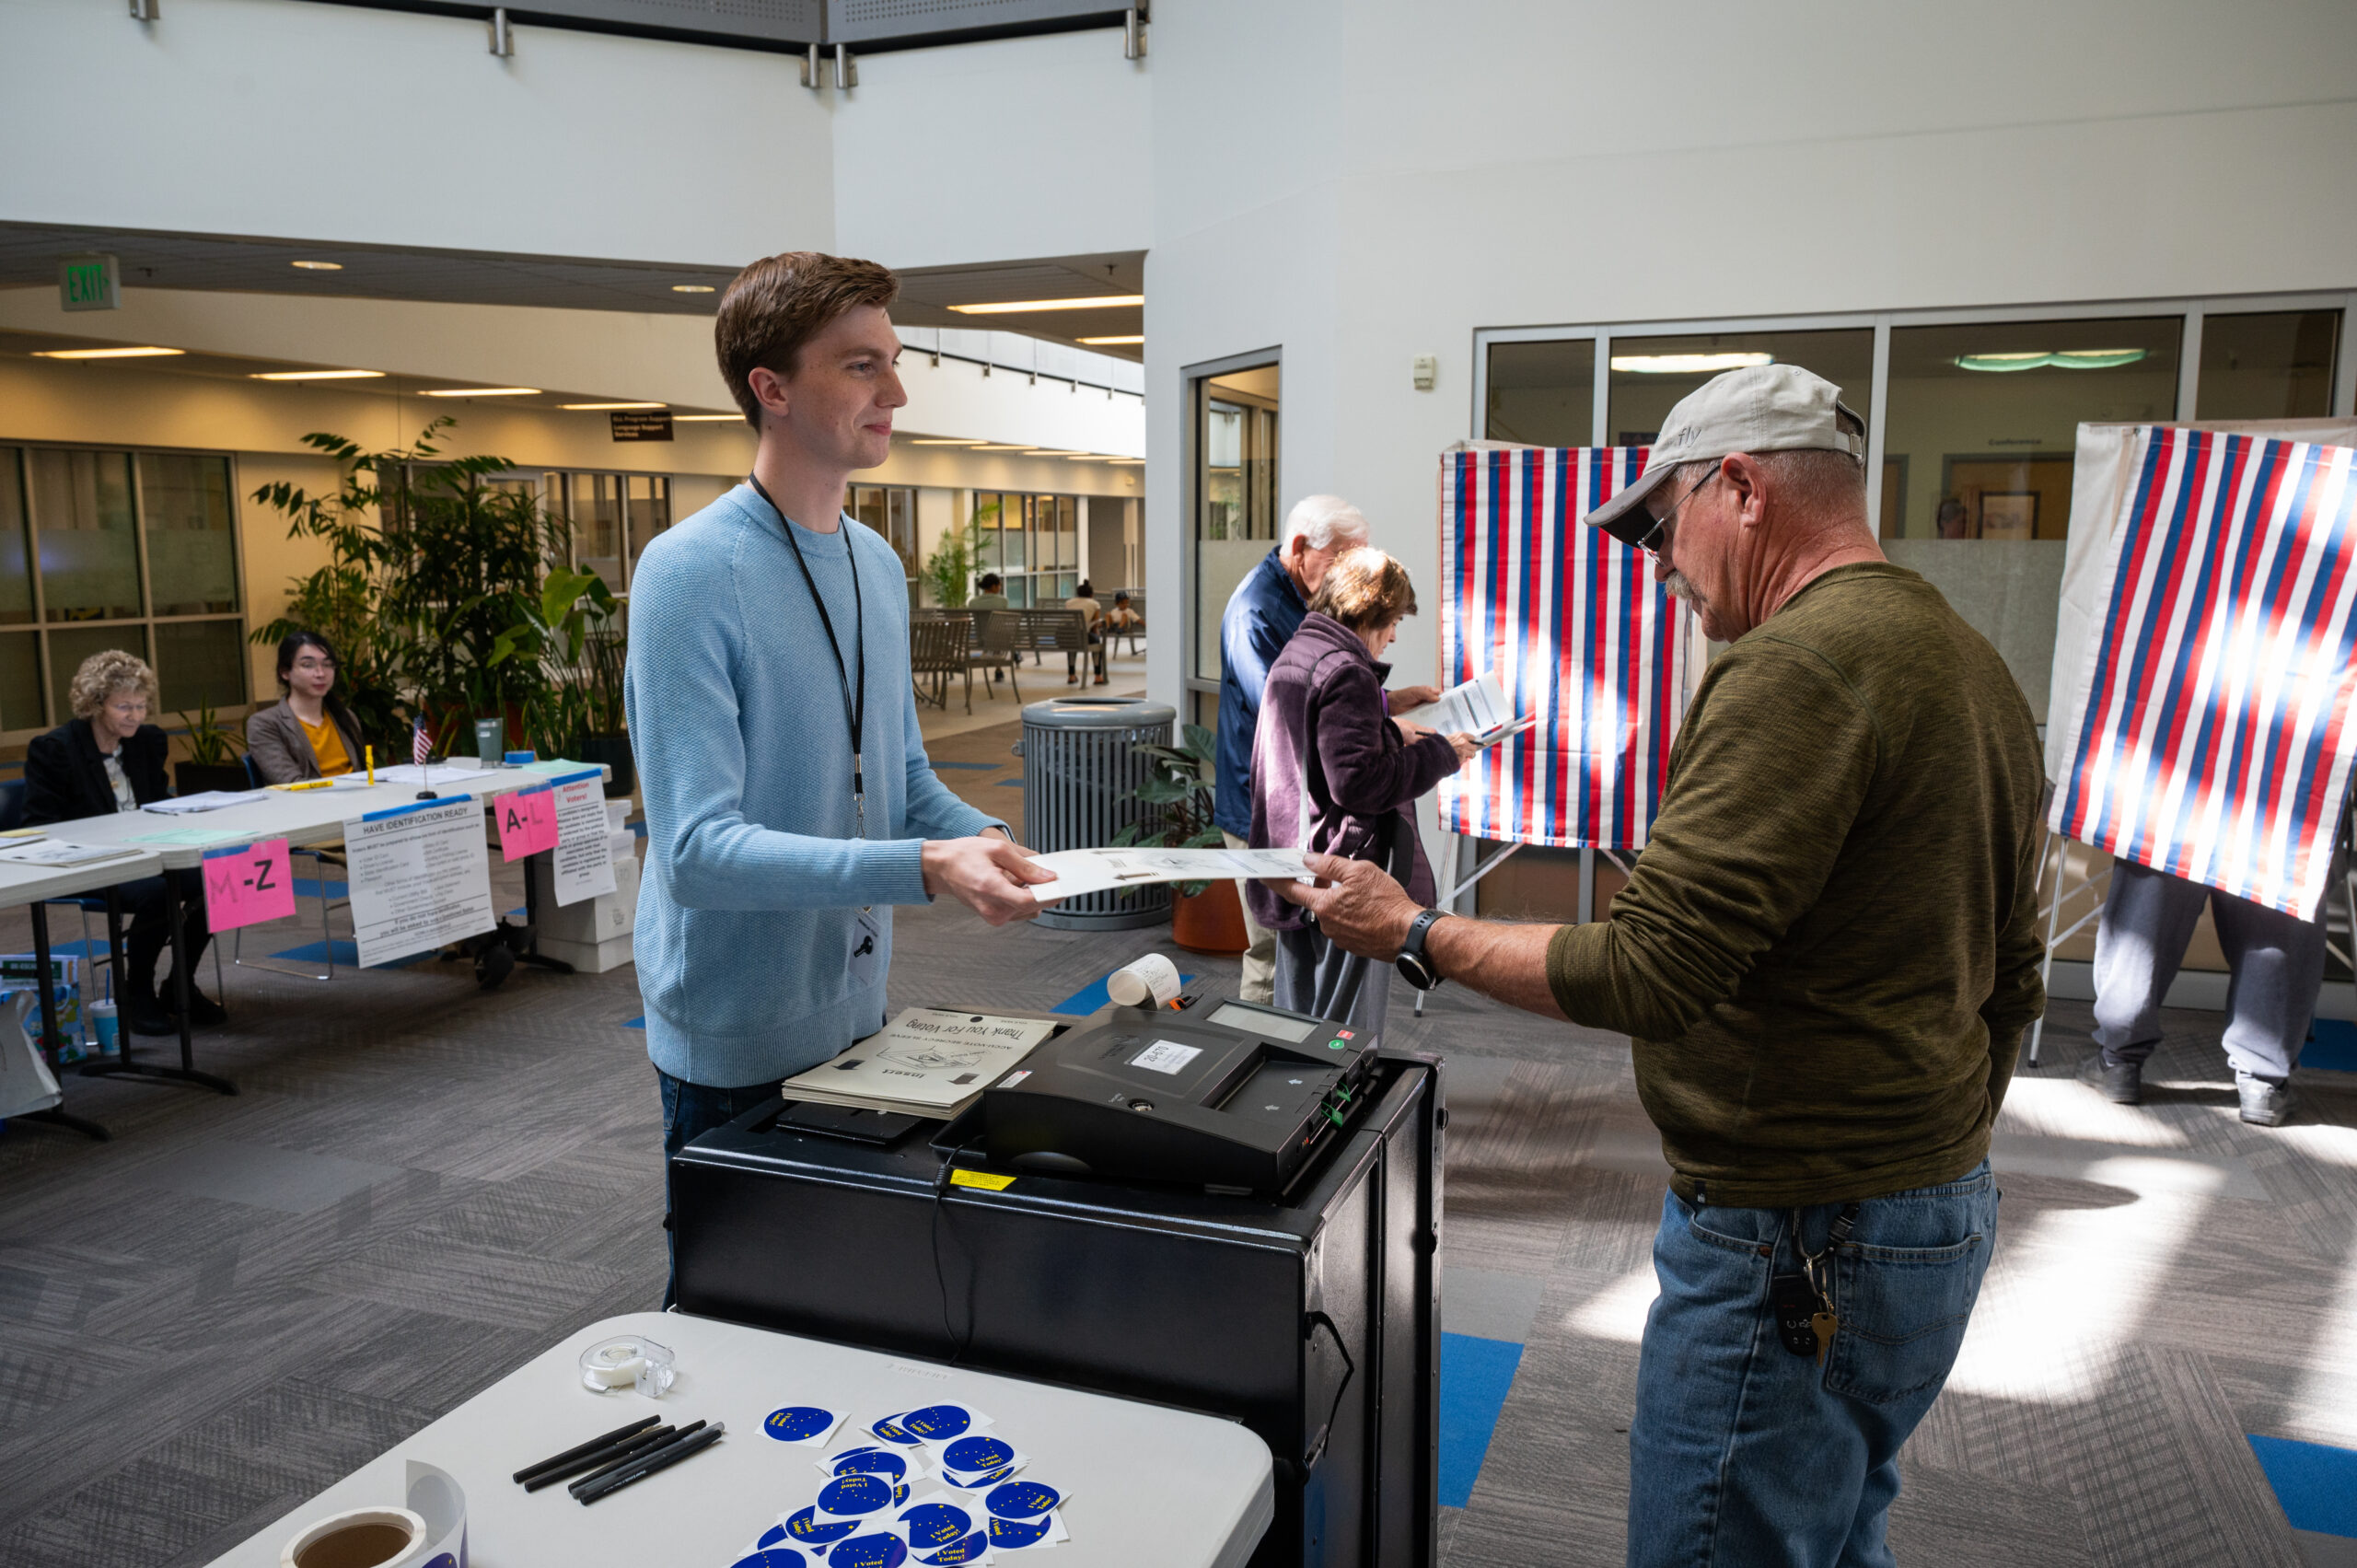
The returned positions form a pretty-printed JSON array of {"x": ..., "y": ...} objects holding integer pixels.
[
  {"x": 606, "y": 1455},
  {"x": 584, "y": 1483},
  {"x": 584, "y": 1450},
  {"x": 669, "y": 1454}
]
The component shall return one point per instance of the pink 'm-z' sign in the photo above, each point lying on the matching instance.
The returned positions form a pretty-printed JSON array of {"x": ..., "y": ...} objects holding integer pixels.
[
  {"x": 247, "y": 884},
  {"x": 527, "y": 821}
]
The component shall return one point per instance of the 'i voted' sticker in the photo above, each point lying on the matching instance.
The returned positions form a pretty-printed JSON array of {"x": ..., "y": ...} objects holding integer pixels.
[
  {"x": 939, "y": 1423},
  {"x": 1022, "y": 1500},
  {"x": 814, "y": 1529},
  {"x": 851, "y": 1496},
  {"x": 801, "y": 1423},
  {"x": 891, "y": 1430},
  {"x": 1013, "y": 1535},
  {"x": 868, "y": 1551},
  {"x": 930, "y": 1525},
  {"x": 971, "y": 1455},
  {"x": 873, "y": 1458},
  {"x": 772, "y": 1557},
  {"x": 965, "y": 1549}
]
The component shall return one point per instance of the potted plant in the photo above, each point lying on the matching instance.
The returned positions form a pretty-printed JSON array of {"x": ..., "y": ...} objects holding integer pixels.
[
  {"x": 213, "y": 756},
  {"x": 948, "y": 567},
  {"x": 1205, "y": 917},
  {"x": 576, "y": 635}
]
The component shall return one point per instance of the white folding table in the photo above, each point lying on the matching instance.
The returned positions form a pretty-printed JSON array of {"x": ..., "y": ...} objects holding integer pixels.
[
  {"x": 1148, "y": 1484},
  {"x": 304, "y": 818},
  {"x": 34, "y": 885}
]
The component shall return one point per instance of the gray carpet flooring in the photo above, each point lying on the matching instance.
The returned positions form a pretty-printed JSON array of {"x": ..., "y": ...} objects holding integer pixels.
[{"x": 420, "y": 1186}]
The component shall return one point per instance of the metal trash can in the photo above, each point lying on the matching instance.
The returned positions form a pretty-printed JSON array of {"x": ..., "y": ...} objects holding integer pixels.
[{"x": 1081, "y": 774}]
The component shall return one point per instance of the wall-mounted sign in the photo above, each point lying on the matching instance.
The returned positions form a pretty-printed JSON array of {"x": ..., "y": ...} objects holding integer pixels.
[
  {"x": 88, "y": 283},
  {"x": 641, "y": 425}
]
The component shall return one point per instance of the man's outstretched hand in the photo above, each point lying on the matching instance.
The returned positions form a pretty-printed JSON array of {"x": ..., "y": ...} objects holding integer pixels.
[
  {"x": 1359, "y": 907},
  {"x": 992, "y": 876}
]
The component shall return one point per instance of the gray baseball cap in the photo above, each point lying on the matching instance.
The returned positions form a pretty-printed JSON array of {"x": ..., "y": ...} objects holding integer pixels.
[{"x": 1762, "y": 408}]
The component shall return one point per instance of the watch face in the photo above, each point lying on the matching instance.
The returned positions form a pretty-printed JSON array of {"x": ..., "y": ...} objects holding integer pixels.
[{"x": 1416, "y": 971}]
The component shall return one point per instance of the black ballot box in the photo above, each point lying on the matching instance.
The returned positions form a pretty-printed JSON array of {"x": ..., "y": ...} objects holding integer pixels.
[{"x": 1311, "y": 1315}]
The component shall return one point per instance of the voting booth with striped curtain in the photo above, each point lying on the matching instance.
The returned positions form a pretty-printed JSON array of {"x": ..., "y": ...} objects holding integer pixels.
[{"x": 1579, "y": 636}]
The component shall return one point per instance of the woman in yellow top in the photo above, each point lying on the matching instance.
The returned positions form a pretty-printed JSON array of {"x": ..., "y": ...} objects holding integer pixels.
[{"x": 308, "y": 734}]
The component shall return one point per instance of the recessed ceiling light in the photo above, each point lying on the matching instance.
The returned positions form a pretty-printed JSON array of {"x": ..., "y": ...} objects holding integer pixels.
[
  {"x": 315, "y": 375},
  {"x": 706, "y": 418},
  {"x": 690, "y": 288},
  {"x": 1052, "y": 452},
  {"x": 1010, "y": 307},
  {"x": 1132, "y": 338},
  {"x": 105, "y": 353},
  {"x": 1127, "y": 462},
  {"x": 318, "y": 266},
  {"x": 988, "y": 447},
  {"x": 600, "y": 407},
  {"x": 480, "y": 392},
  {"x": 2061, "y": 359},
  {"x": 945, "y": 441},
  {"x": 1686, "y": 363},
  {"x": 1084, "y": 457}
]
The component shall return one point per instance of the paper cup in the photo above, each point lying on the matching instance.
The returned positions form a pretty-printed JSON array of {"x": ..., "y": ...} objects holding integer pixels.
[
  {"x": 358, "y": 1537},
  {"x": 105, "y": 1025}
]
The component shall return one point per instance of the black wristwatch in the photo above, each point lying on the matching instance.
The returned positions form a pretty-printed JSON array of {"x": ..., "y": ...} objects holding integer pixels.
[{"x": 1412, "y": 964}]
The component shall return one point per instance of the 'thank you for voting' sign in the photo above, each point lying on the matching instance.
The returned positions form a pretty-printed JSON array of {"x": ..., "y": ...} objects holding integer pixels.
[{"x": 421, "y": 877}]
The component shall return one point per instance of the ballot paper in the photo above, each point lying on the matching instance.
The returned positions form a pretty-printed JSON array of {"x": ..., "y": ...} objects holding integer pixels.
[
  {"x": 1477, "y": 708},
  {"x": 432, "y": 774},
  {"x": 209, "y": 800},
  {"x": 53, "y": 853},
  {"x": 925, "y": 1063},
  {"x": 1082, "y": 871}
]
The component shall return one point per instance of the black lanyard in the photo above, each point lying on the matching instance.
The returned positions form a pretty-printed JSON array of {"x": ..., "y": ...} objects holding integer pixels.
[{"x": 854, "y": 701}]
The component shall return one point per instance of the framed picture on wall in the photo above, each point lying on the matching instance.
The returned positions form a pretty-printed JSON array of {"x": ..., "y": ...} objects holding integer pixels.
[{"x": 2008, "y": 513}]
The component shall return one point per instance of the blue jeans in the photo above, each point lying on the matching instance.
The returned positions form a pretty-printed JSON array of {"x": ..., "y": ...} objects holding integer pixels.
[
  {"x": 1742, "y": 1453},
  {"x": 689, "y": 1111}
]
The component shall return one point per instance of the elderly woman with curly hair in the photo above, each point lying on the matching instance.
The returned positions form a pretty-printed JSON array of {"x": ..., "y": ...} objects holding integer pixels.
[{"x": 108, "y": 759}]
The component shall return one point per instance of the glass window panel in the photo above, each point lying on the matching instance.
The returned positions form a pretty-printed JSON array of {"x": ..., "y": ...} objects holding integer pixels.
[
  {"x": 200, "y": 662},
  {"x": 1015, "y": 534},
  {"x": 89, "y": 554},
  {"x": 20, "y": 681},
  {"x": 650, "y": 510},
  {"x": 191, "y": 541},
  {"x": 1018, "y": 593},
  {"x": 1980, "y": 431},
  {"x": 1542, "y": 394},
  {"x": 2277, "y": 364},
  {"x": 1067, "y": 530},
  {"x": 1236, "y": 494},
  {"x": 1650, "y": 374},
  {"x": 987, "y": 507},
  {"x": 68, "y": 646},
  {"x": 16, "y": 562},
  {"x": 594, "y": 510}
]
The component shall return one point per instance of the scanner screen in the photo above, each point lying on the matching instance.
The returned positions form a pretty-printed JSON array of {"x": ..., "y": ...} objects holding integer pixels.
[{"x": 1270, "y": 1026}]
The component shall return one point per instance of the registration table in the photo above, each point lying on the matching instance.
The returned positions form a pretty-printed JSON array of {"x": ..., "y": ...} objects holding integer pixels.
[
  {"x": 1146, "y": 1484},
  {"x": 305, "y": 818},
  {"x": 33, "y": 885}
]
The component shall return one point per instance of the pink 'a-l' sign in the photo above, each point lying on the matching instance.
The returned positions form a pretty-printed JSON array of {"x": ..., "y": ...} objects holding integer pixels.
[
  {"x": 247, "y": 884},
  {"x": 527, "y": 821}
]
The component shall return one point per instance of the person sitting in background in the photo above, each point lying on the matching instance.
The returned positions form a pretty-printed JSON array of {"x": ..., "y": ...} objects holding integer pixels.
[
  {"x": 307, "y": 733},
  {"x": 1123, "y": 617},
  {"x": 1333, "y": 774},
  {"x": 107, "y": 758},
  {"x": 1085, "y": 602},
  {"x": 992, "y": 594},
  {"x": 1949, "y": 521}
]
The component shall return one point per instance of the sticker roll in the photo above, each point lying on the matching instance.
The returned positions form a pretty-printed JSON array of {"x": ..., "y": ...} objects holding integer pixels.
[
  {"x": 431, "y": 1532},
  {"x": 1151, "y": 981}
]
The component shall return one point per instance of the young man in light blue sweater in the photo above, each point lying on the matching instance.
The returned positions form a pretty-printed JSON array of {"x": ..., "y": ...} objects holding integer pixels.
[{"x": 766, "y": 633}]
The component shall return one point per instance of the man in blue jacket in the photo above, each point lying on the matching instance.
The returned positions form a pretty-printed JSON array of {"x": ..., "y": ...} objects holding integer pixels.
[
  {"x": 1262, "y": 615},
  {"x": 789, "y": 802}
]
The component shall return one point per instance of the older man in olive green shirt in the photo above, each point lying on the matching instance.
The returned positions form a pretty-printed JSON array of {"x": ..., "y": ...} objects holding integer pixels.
[{"x": 1825, "y": 958}]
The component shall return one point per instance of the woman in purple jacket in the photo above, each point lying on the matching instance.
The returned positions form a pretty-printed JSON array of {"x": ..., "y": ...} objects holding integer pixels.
[{"x": 1332, "y": 772}]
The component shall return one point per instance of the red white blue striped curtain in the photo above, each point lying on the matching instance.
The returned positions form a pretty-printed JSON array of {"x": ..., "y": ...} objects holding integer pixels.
[
  {"x": 1579, "y": 633},
  {"x": 2216, "y": 743}
]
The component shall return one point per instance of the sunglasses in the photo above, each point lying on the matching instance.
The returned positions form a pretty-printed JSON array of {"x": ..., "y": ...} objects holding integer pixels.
[{"x": 1651, "y": 544}]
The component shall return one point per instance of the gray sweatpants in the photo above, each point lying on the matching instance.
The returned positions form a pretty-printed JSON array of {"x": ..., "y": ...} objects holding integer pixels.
[
  {"x": 1258, "y": 982},
  {"x": 2278, "y": 964},
  {"x": 1320, "y": 979}
]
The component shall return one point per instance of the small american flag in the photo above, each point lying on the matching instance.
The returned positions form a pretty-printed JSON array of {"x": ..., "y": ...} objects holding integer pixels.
[{"x": 420, "y": 747}]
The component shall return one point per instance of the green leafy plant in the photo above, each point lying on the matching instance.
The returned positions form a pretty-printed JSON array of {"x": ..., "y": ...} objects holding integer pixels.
[
  {"x": 211, "y": 743},
  {"x": 574, "y": 632},
  {"x": 1178, "y": 796},
  {"x": 949, "y": 567}
]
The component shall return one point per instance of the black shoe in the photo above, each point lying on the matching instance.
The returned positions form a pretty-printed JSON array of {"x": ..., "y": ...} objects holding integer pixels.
[
  {"x": 202, "y": 1011},
  {"x": 145, "y": 1016},
  {"x": 2264, "y": 1103},
  {"x": 2121, "y": 1082}
]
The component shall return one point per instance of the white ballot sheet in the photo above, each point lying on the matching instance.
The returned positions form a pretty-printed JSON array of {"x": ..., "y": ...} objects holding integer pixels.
[
  {"x": 1082, "y": 871},
  {"x": 1476, "y": 708},
  {"x": 432, "y": 774},
  {"x": 585, "y": 858},
  {"x": 420, "y": 878},
  {"x": 210, "y": 800},
  {"x": 925, "y": 1058}
]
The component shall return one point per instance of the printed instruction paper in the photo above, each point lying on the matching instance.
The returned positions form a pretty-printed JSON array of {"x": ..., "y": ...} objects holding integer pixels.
[
  {"x": 1082, "y": 871},
  {"x": 583, "y": 867},
  {"x": 1475, "y": 708},
  {"x": 419, "y": 879}
]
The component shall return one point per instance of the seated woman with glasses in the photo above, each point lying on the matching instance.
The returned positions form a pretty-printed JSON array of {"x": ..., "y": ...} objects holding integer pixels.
[
  {"x": 108, "y": 759},
  {"x": 308, "y": 733}
]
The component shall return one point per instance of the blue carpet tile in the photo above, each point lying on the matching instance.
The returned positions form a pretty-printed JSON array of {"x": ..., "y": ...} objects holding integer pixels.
[
  {"x": 2315, "y": 1483},
  {"x": 1475, "y": 1375},
  {"x": 346, "y": 954},
  {"x": 2332, "y": 1045}
]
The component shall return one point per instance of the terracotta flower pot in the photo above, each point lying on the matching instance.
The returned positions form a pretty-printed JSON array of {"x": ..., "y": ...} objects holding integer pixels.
[{"x": 1211, "y": 921}]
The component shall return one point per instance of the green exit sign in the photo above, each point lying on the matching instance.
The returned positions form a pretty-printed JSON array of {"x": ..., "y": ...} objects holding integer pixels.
[{"x": 88, "y": 282}]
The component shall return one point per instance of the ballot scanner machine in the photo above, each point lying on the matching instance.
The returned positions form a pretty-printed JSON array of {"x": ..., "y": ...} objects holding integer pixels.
[{"x": 1225, "y": 1208}]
